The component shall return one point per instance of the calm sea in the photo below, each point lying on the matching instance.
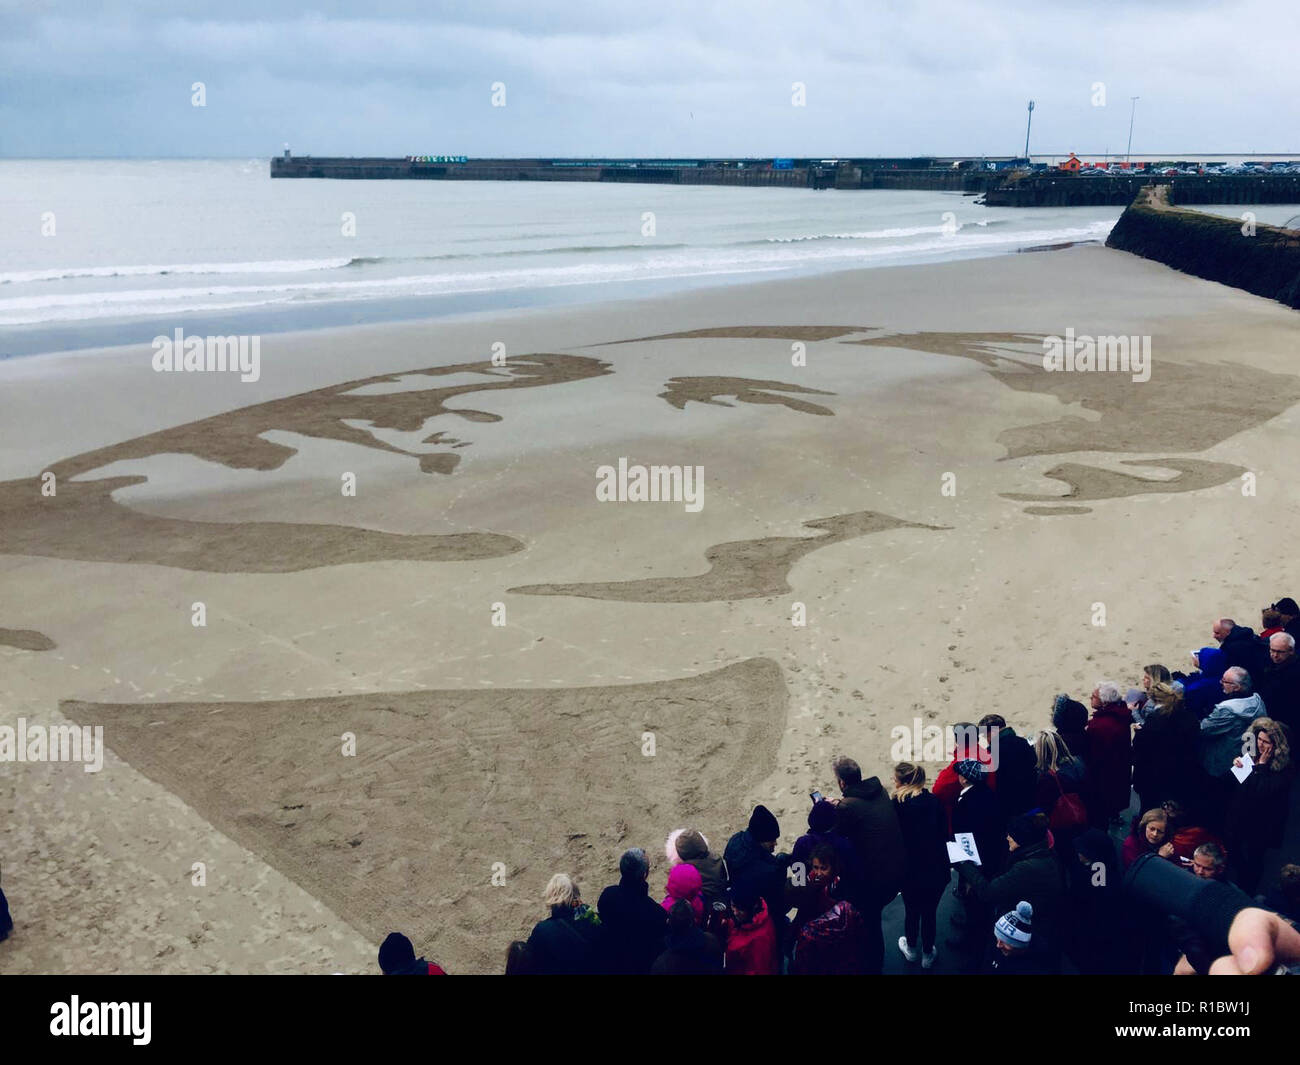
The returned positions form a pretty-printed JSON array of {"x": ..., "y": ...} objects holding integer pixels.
[{"x": 115, "y": 251}]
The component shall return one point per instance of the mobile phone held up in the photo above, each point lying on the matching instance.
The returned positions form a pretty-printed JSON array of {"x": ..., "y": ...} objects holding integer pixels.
[{"x": 816, "y": 797}]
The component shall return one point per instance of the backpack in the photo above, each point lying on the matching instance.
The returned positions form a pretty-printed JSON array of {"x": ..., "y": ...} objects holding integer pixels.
[{"x": 1068, "y": 812}]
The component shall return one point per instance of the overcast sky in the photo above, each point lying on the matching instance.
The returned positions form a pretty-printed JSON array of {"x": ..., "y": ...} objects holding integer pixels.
[{"x": 632, "y": 77}]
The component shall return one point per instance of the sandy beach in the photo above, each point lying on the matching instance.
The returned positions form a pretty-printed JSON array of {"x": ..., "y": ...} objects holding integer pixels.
[{"x": 945, "y": 514}]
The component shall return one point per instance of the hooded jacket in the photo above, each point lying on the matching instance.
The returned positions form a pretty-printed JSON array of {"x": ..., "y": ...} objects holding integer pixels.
[
  {"x": 633, "y": 926},
  {"x": 693, "y": 849},
  {"x": 1221, "y": 732},
  {"x": 749, "y": 862},
  {"x": 1241, "y": 647},
  {"x": 685, "y": 883},
  {"x": 821, "y": 829},
  {"x": 752, "y": 948},
  {"x": 1202, "y": 690},
  {"x": 865, "y": 816}
]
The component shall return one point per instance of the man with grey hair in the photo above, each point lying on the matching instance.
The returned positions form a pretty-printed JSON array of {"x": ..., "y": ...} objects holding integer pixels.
[
  {"x": 1109, "y": 755},
  {"x": 632, "y": 924},
  {"x": 1240, "y": 646},
  {"x": 1279, "y": 684},
  {"x": 1221, "y": 732}
]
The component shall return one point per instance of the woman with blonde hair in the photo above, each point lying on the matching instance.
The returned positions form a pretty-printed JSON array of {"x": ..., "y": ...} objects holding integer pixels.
[
  {"x": 565, "y": 944},
  {"x": 1165, "y": 759},
  {"x": 1258, "y": 809},
  {"x": 925, "y": 862},
  {"x": 1149, "y": 834},
  {"x": 1060, "y": 773}
]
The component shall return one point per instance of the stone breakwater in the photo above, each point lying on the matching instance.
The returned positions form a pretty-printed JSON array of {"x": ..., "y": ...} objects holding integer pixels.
[{"x": 1264, "y": 260}]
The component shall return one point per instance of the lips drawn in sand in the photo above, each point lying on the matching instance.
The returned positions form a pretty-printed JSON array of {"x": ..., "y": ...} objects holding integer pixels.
[
  {"x": 740, "y": 569},
  {"x": 83, "y": 521},
  {"x": 446, "y": 783}
]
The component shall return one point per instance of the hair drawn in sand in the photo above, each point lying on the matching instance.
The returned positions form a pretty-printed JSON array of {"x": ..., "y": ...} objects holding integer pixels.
[
  {"x": 1185, "y": 407},
  {"x": 740, "y": 569},
  {"x": 26, "y": 640},
  {"x": 83, "y": 521},
  {"x": 682, "y": 390},
  {"x": 756, "y": 332},
  {"x": 446, "y": 783}
]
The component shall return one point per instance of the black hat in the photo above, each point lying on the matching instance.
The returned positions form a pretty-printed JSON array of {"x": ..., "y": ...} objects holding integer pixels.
[
  {"x": 763, "y": 826},
  {"x": 396, "y": 954},
  {"x": 1026, "y": 830},
  {"x": 1286, "y": 606}
]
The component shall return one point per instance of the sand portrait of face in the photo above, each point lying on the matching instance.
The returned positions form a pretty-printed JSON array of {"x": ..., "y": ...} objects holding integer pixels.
[{"x": 571, "y": 509}]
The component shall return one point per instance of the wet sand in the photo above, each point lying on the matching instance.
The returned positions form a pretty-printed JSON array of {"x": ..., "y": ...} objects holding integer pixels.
[{"x": 941, "y": 513}]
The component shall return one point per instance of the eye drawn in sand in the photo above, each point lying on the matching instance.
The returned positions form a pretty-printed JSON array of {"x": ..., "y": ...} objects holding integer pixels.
[
  {"x": 447, "y": 782},
  {"x": 83, "y": 521},
  {"x": 739, "y": 569},
  {"x": 26, "y": 640},
  {"x": 1093, "y": 482},
  {"x": 682, "y": 390}
]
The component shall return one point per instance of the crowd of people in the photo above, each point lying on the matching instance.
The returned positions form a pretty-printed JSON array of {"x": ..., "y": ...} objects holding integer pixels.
[{"x": 1051, "y": 868}]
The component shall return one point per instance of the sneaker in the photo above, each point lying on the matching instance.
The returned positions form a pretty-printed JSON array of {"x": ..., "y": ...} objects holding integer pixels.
[
  {"x": 905, "y": 950},
  {"x": 927, "y": 958}
]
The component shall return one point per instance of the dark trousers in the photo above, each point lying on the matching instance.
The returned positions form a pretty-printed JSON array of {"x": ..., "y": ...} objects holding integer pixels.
[
  {"x": 6, "y": 922},
  {"x": 920, "y": 915}
]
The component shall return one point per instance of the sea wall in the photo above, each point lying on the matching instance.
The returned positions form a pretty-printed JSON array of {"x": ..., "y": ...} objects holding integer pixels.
[{"x": 1261, "y": 259}]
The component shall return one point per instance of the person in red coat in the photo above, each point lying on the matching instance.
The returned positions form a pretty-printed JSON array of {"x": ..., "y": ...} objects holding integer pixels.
[
  {"x": 751, "y": 943},
  {"x": 1110, "y": 750},
  {"x": 947, "y": 786}
]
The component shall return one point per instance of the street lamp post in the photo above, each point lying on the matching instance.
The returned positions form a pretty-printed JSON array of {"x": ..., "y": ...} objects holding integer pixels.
[
  {"x": 1128, "y": 155},
  {"x": 1029, "y": 123}
]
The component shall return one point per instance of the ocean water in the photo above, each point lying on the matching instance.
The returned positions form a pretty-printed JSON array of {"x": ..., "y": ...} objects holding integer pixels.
[{"x": 110, "y": 251}]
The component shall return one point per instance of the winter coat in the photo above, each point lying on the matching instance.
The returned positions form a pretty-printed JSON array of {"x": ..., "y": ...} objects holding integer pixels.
[
  {"x": 866, "y": 817},
  {"x": 566, "y": 943},
  {"x": 947, "y": 786},
  {"x": 979, "y": 813},
  {"x": 685, "y": 884},
  {"x": 1166, "y": 764},
  {"x": 693, "y": 953},
  {"x": 1109, "y": 757},
  {"x": 693, "y": 850},
  {"x": 1032, "y": 875},
  {"x": 1222, "y": 731},
  {"x": 1017, "y": 773},
  {"x": 1279, "y": 687},
  {"x": 749, "y": 862},
  {"x": 752, "y": 948},
  {"x": 833, "y": 944},
  {"x": 1258, "y": 810},
  {"x": 633, "y": 927},
  {"x": 1243, "y": 648},
  {"x": 925, "y": 834},
  {"x": 1202, "y": 690}
]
